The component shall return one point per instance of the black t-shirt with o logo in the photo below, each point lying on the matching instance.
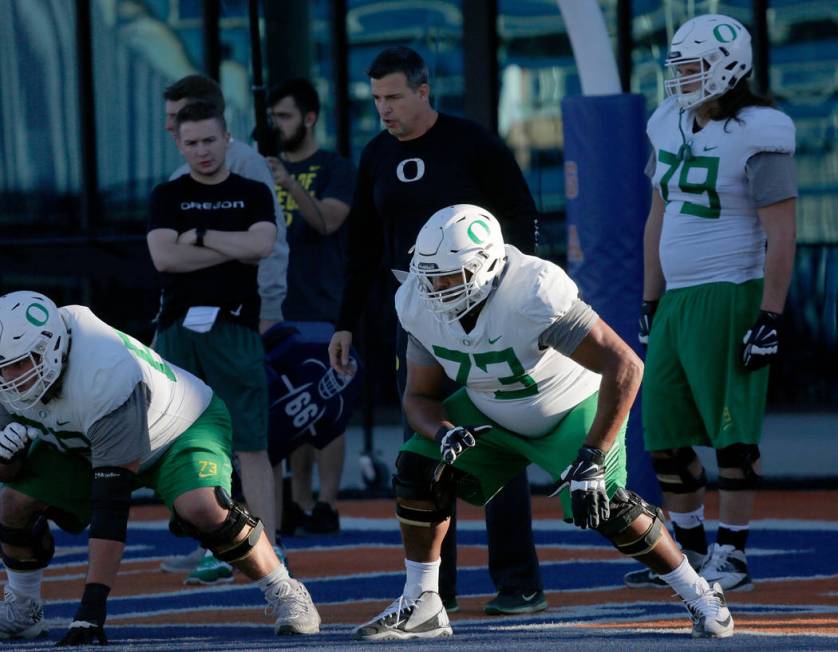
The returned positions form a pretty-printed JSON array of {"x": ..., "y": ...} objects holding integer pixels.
[{"x": 402, "y": 183}]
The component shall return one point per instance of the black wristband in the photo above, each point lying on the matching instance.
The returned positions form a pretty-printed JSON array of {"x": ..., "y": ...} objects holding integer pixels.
[
  {"x": 200, "y": 232},
  {"x": 440, "y": 434},
  {"x": 648, "y": 307},
  {"x": 591, "y": 454},
  {"x": 93, "y": 608}
]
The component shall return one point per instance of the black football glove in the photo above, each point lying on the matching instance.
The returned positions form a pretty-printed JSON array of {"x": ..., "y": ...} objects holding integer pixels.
[
  {"x": 457, "y": 440},
  {"x": 647, "y": 311},
  {"x": 586, "y": 478},
  {"x": 82, "y": 632},
  {"x": 88, "y": 627},
  {"x": 762, "y": 342}
]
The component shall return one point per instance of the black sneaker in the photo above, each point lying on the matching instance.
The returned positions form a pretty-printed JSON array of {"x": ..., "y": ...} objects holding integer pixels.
[
  {"x": 323, "y": 520},
  {"x": 516, "y": 603},
  {"x": 294, "y": 519}
]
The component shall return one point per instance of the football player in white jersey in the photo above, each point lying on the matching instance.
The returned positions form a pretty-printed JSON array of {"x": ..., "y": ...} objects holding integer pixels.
[
  {"x": 545, "y": 381},
  {"x": 87, "y": 414},
  {"x": 719, "y": 250}
]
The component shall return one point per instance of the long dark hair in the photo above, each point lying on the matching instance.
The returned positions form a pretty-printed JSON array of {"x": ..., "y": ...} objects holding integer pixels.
[{"x": 728, "y": 106}]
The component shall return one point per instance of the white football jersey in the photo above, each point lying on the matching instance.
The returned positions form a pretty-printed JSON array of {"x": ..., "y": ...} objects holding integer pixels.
[
  {"x": 103, "y": 368},
  {"x": 711, "y": 230},
  {"x": 522, "y": 387}
]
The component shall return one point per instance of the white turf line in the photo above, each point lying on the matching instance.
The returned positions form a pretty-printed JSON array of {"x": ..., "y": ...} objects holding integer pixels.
[
  {"x": 127, "y": 563},
  {"x": 193, "y": 591}
]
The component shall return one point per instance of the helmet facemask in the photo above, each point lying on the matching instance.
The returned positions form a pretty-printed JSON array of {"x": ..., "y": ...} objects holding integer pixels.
[
  {"x": 450, "y": 303},
  {"x": 709, "y": 84},
  {"x": 28, "y": 388}
]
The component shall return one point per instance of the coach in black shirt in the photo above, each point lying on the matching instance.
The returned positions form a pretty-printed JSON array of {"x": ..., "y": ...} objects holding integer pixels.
[{"x": 424, "y": 161}]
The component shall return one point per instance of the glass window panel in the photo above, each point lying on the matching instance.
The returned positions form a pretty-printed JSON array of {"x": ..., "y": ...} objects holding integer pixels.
[
  {"x": 537, "y": 70},
  {"x": 236, "y": 71},
  {"x": 322, "y": 74},
  {"x": 139, "y": 48},
  {"x": 803, "y": 76},
  {"x": 40, "y": 173},
  {"x": 804, "y": 80},
  {"x": 434, "y": 30}
]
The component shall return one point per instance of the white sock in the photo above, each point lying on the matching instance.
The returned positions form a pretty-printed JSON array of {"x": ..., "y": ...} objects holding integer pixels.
[
  {"x": 281, "y": 573},
  {"x": 26, "y": 583},
  {"x": 734, "y": 528},
  {"x": 688, "y": 520},
  {"x": 421, "y": 577},
  {"x": 685, "y": 581}
]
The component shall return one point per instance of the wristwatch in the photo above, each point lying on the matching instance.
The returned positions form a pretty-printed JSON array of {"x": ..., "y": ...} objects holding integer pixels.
[{"x": 200, "y": 232}]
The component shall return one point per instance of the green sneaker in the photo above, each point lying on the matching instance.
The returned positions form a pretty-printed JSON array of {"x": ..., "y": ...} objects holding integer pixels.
[
  {"x": 210, "y": 571},
  {"x": 516, "y": 603}
]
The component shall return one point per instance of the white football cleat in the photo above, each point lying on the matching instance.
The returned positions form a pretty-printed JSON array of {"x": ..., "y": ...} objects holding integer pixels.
[
  {"x": 295, "y": 612},
  {"x": 709, "y": 613},
  {"x": 406, "y": 619},
  {"x": 20, "y": 617},
  {"x": 727, "y": 566}
]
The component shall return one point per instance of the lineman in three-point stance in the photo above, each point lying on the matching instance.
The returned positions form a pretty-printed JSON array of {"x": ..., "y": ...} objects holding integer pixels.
[
  {"x": 87, "y": 414},
  {"x": 554, "y": 385}
]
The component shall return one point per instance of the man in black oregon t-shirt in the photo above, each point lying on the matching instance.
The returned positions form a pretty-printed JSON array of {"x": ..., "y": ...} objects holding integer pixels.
[
  {"x": 424, "y": 161},
  {"x": 207, "y": 232}
]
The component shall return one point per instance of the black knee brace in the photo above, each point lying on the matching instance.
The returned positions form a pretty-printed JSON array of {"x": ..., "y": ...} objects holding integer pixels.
[
  {"x": 35, "y": 536},
  {"x": 626, "y": 506},
  {"x": 674, "y": 475},
  {"x": 222, "y": 541},
  {"x": 414, "y": 480},
  {"x": 742, "y": 457}
]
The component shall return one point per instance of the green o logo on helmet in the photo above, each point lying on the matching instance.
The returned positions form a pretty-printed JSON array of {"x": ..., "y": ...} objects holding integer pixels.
[
  {"x": 478, "y": 231},
  {"x": 36, "y": 314},
  {"x": 725, "y": 33}
]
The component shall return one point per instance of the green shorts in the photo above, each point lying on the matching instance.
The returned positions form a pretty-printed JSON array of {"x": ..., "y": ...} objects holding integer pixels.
[
  {"x": 199, "y": 457},
  {"x": 500, "y": 454},
  {"x": 695, "y": 389},
  {"x": 230, "y": 358}
]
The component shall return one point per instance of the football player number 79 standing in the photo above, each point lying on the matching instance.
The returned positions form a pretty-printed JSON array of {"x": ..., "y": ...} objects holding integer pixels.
[{"x": 719, "y": 251}]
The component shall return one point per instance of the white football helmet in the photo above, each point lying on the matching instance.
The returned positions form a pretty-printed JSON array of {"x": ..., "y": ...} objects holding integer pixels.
[
  {"x": 460, "y": 239},
  {"x": 720, "y": 46},
  {"x": 30, "y": 328}
]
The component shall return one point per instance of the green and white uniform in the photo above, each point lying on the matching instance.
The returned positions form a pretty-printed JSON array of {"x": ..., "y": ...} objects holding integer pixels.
[
  {"x": 712, "y": 253},
  {"x": 93, "y": 421},
  {"x": 517, "y": 375},
  {"x": 711, "y": 230}
]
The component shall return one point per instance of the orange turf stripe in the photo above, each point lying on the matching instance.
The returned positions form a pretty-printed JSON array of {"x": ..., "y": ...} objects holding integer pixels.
[
  {"x": 769, "y": 504},
  {"x": 765, "y": 624}
]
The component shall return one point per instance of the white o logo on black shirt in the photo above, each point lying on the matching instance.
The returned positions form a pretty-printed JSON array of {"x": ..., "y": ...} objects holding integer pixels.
[{"x": 420, "y": 170}]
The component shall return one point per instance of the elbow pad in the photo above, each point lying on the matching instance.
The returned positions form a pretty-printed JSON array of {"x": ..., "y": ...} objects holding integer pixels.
[{"x": 110, "y": 502}]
